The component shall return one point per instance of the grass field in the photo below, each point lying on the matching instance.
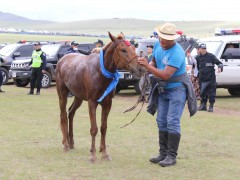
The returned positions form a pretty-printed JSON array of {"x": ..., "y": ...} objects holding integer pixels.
[{"x": 30, "y": 138}]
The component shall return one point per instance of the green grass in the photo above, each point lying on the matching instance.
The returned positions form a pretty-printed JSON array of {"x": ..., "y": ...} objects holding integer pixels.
[{"x": 30, "y": 138}]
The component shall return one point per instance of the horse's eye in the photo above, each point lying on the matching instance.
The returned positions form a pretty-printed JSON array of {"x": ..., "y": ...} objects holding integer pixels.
[{"x": 124, "y": 50}]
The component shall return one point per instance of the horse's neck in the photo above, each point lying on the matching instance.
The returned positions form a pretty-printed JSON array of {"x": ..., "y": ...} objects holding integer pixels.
[{"x": 109, "y": 63}]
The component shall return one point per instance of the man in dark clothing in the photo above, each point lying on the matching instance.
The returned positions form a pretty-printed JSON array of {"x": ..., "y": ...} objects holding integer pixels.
[
  {"x": 207, "y": 77},
  {"x": 74, "y": 49},
  {"x": 38, "y": 64}
]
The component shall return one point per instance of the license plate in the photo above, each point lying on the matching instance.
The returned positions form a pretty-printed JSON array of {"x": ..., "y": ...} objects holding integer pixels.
[{"x": 14, "y": 74}]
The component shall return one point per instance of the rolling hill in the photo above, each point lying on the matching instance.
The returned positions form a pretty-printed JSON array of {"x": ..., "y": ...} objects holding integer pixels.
[{"x": 102, "y": 26}]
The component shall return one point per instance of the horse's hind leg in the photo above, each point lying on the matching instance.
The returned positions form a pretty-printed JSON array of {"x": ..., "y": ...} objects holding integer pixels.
[
  {"x": 71, "y": 112},
  {"x": 106, "y": 107},
  {"x": 92, "y": 106},
  {"x": 62, "y": 95}
]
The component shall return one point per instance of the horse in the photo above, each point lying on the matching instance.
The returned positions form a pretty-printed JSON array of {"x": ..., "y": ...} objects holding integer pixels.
[{"x": 83, "y": 76}]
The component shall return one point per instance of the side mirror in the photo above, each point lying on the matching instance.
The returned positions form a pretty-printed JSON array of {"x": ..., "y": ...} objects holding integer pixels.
[{"x": 16, "y": 54}]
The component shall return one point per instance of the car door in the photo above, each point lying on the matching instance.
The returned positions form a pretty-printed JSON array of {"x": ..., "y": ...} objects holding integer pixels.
[{"x": 231, "y": 65}]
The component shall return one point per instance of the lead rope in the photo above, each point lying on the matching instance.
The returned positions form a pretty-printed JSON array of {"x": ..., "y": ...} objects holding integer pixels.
[{"x": 140, "y": 98}]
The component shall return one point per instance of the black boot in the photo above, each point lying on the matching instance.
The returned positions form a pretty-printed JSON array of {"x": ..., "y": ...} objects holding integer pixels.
[
  {"x": 163, "y": 139},
  {"x": 202, "y": 106},
  {"x": 173, "y": 143},
  {"x": 38, "y": 92},
  {"x": 210, "y": 109},
  {"x": 30, "y": 92}
]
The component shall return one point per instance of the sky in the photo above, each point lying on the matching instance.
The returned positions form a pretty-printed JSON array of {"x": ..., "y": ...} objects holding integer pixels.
[{"x": 166, "y": 10}]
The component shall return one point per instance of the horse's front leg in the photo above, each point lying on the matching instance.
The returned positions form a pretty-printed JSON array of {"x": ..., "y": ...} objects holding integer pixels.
[
  {"x": 92, "y": 106},
  {"x": 106, "y": 107}
]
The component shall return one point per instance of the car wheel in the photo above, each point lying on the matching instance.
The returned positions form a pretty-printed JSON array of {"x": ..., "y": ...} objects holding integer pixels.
[
  {"x": 46, "y": 80},
  {"x": 234, "y": 91},
  {"x": 5, "y": 75},
  {"x": 21, "y": 82}
]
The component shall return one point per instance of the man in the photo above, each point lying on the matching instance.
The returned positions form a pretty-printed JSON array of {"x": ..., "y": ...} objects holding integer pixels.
[
  {"x": 74, "y": 49},
  {"x": 99, "y": 43},
  {"x": 168, "y": 62},
  {"x": 38, "y": 64},
  {"x": 1, "y": 76},
  {"x": 149, "y": 52},
  {"x": 205, "y": 64}
]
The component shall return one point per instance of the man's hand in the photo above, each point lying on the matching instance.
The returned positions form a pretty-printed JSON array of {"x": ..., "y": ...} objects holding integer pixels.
[
  {"x": 143, "y": 61},
  {"x": 219, "y": 70},
  {"x": 44, "y": 71}
]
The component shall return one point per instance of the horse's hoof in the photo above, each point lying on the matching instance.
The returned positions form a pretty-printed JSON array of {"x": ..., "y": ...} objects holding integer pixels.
[
  {"x": 66, "y": 148},
  {"x": 71, "y": 146},
  {"x": 106, "y": 158},
  {"x": 93, "y": 159}
]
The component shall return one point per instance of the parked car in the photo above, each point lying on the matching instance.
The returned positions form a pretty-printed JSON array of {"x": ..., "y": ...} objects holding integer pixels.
[
  {"x": 230, "y": 57},
  {"x": 21, "y": 73},
  {"x": 13, "y": 52}
]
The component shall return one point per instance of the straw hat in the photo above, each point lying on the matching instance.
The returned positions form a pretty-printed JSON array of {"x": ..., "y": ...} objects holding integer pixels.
[{"x": 166, "y": 31}]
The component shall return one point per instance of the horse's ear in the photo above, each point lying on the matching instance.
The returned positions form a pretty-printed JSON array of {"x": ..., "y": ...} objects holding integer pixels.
[{"x": 112, "y": 37}]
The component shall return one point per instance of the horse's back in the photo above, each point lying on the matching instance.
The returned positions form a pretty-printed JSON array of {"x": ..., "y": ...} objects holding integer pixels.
[{"x": 79, "y": 73}]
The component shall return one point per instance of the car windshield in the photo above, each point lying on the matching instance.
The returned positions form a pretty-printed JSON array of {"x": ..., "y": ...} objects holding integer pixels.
[
  {"x": 7, "y": 50},
  {"x": 50, "y": 50}
]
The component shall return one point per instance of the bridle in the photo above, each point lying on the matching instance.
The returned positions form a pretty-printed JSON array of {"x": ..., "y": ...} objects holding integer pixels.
[{"x": 128, "y": 61}]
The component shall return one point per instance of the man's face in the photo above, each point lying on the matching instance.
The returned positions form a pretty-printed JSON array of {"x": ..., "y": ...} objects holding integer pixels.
[
  {"x": 37, "y": 46},
  {"x": 149, "y": 50},
  {"x": 202, "y": 50},
  {"x": 166, "y": 44}
]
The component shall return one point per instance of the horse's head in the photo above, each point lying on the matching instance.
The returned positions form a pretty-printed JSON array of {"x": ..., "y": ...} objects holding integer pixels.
[{"x": 124, "y": 56}]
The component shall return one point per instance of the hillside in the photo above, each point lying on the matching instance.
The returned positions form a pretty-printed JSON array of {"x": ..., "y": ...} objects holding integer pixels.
[
  {"x": 11, "y": 20},
  {"x": 102, "y": 26}
]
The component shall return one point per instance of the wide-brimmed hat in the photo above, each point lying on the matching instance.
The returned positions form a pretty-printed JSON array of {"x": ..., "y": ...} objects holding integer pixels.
[{"x": 166, "y": 31}]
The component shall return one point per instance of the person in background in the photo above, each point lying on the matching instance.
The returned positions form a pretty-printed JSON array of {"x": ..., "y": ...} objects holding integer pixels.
[
  {"x": 169, "y": 98},
  {"x": 74, "y": 49},
  {"x": 153, "y": 79},
  {"x": 38, "y": 65},
  {"x": 99, "y": 43},
  {"x": 1, "y": 76},
  {"x": 194, "y": 73},
  {"x": 205, "y": 64}
]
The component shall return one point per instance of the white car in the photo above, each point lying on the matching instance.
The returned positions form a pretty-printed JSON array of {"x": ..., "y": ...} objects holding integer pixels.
[{"x": 227, "y": 50}]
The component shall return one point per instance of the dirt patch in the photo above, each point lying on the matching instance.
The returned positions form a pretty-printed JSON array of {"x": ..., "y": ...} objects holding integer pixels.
[{"x": 226, "y": 111}]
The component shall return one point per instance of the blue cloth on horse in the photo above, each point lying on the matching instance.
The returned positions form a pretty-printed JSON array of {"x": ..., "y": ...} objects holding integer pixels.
[{"x": 115, "y": 76}]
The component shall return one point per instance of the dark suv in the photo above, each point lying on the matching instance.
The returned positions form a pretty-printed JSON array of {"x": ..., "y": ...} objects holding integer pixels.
[
  {"x": 13, "y": 52},
  {"x": 21, "y": 74}
]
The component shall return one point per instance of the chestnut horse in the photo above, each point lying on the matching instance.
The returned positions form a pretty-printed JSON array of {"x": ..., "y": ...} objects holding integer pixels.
[{"x": 82, "y": 75}]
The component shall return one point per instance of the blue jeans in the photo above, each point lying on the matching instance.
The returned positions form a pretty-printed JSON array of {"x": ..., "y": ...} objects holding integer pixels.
[{"x": 171, "y": 104}]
